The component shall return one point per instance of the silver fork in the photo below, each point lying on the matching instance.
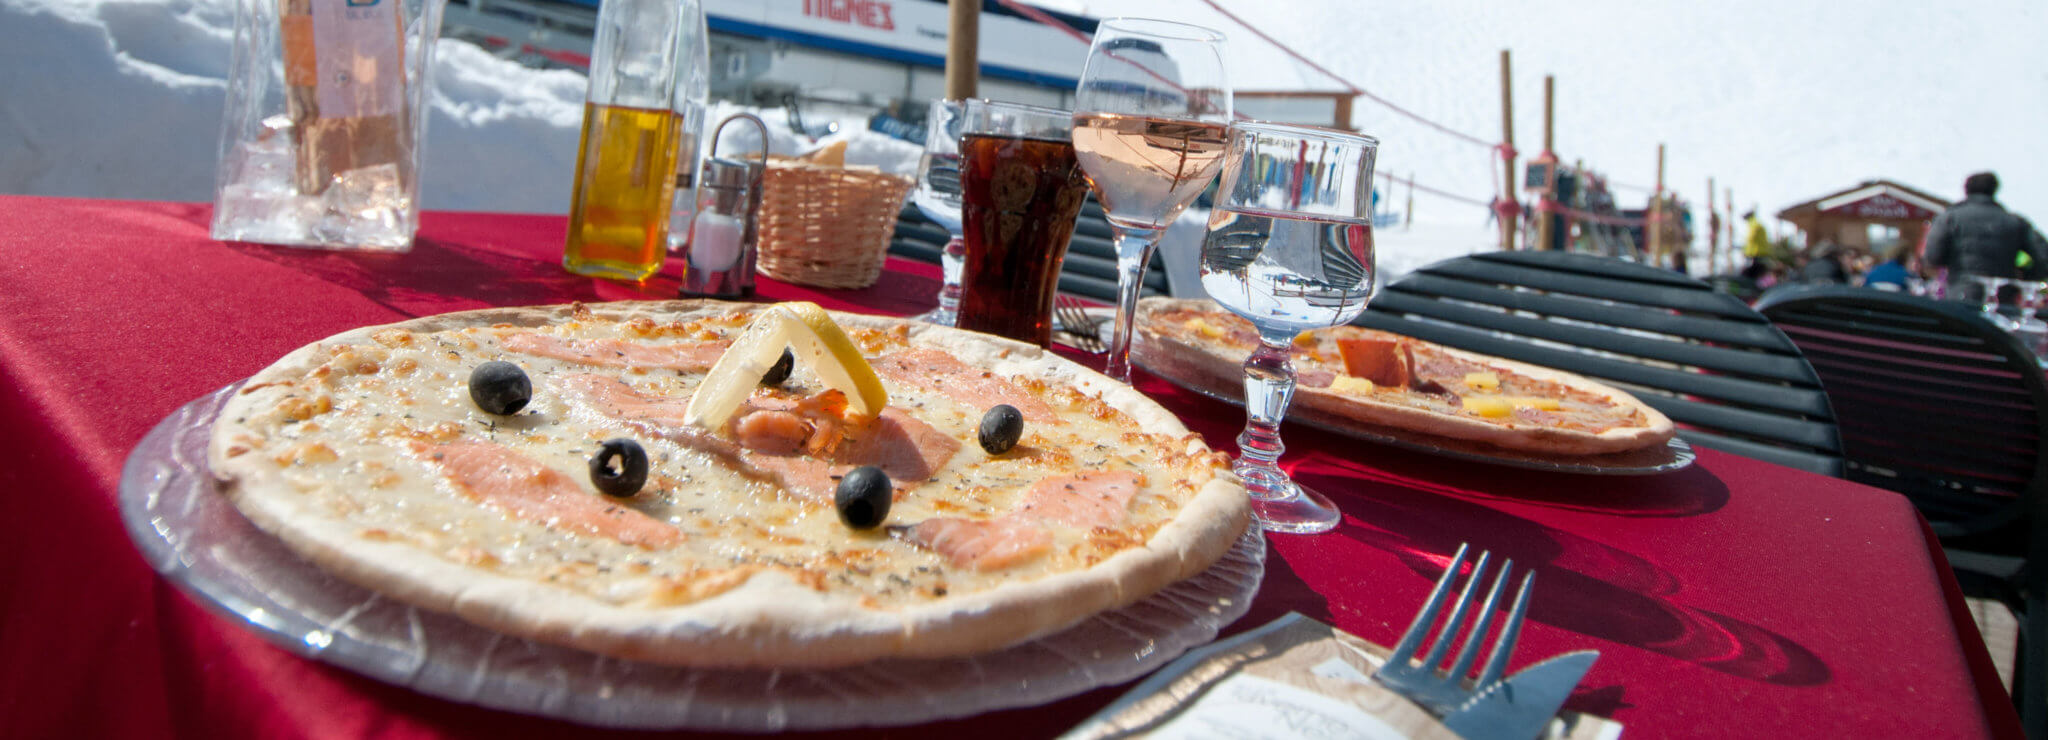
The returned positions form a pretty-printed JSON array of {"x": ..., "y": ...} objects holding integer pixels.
[
  {"x": 1442, "y": 691},
  {"x": 1075, "y": 323}
]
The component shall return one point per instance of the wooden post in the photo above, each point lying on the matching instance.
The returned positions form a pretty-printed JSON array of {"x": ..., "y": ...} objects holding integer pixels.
[
  {"x": 1653, "y": 217},
  {"x": 963, "y": 48},
  {"x": 1408, "y": 221},
  {"x": 1713, "y": 235},
  {"x": 1507, "y": 128},
  {"x": 1734, "y": 247},
  {"x": 1343, "y": 117},
  {"x": 1549, "y": 99},
  {"x": 1546, "y": 221}
]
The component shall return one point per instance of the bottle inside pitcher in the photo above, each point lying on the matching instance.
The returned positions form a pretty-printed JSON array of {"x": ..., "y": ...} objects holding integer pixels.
[
  {"x": 625, "y": 183},
  {"x": 343, "y": 123}
]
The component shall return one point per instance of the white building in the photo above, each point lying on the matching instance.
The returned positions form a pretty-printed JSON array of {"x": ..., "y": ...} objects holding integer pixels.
[
  {"x": 824, "y": 59},
  {"x": 838, "y": 59}
]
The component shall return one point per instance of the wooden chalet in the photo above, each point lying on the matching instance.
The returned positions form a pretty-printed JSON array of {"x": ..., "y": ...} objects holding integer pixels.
[{"x": 1844, "y": 217}]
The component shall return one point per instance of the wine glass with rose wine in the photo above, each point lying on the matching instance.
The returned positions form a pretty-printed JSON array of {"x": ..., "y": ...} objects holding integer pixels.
[
  {"x": 1289, "y": 249},
  {"x": 1149, "y": 118}
]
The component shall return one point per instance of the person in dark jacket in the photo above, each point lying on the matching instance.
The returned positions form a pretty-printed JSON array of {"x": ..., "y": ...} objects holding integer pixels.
[{"x": 1979, "y": 237}]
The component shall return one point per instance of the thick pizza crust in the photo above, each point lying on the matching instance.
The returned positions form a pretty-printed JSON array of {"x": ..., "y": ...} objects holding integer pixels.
[
  {"x": 770, "y": 620},
  {"x": 1201, "y": 365}
]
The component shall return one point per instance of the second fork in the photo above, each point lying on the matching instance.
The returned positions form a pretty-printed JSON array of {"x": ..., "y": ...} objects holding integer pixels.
[{"x": 1075, "y": 322}]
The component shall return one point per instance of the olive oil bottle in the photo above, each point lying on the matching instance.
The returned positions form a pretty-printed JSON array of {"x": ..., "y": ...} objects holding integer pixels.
[{"x": 625, "y": 183}]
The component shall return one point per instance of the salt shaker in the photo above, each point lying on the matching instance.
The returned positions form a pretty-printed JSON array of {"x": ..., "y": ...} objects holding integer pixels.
[{"x": 725, "y": 230}]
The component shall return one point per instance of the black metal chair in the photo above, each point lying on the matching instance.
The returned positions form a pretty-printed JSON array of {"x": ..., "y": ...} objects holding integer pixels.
[
  {"x": 1729, "y": 379},
  {"x": 916, "y": 237},
  {"x": 1090, "y": 268},
  {"x": 1939, "y": 404}
]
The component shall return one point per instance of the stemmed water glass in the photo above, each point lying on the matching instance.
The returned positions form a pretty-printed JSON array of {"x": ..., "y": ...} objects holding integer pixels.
[
  {"x": 2030, "y": 297},
  {"x": 1289, "y": 249},
  {"x": 2031, "y": 330},
  {"x": 938, "y": 197},
  {"x": 1992, "y": 287},
  {"x": 1149, "y": 121}
]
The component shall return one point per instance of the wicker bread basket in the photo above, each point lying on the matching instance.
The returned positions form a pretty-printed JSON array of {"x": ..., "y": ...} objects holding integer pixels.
[{"x": 827, "y": 227}]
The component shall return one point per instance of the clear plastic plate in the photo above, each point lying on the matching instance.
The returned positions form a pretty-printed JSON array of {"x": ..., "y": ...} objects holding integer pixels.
[
  {"x": 1674, "y": 454},
  {"x": 197, "y": 539}
]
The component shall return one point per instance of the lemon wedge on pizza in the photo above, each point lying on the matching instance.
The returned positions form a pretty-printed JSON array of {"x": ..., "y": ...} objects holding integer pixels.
[{"x": 816, "y": 340}]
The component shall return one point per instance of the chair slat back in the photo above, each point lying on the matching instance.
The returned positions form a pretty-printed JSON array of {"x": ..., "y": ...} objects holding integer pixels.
[
  {"x": 1090, "y": 268},
  {"x": 1091, "y": 271},
  {"x": 916, "y": 237},
  {"x": 1934, "y": 401}
]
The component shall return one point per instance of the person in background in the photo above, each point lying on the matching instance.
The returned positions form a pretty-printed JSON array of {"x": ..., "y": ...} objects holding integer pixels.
[
  {"x": 1860, "y": 262},
  {"x": 1979, "y": 237},
  {"x": 1892, "y": 274},
  {"x": 1826, "y": 265},
  {"x": 1756, "y": 243}
]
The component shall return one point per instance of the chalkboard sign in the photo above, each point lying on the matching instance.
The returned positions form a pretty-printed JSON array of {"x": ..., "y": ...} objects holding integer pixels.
[{"x": 1539, "y": 176}]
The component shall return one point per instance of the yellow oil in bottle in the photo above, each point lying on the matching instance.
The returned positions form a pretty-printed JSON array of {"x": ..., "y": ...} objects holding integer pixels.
[{"x": 625, "y": 180}]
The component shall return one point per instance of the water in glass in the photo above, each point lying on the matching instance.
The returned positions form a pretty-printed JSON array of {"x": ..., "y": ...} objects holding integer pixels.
[{"x": 1288, "y": 272}]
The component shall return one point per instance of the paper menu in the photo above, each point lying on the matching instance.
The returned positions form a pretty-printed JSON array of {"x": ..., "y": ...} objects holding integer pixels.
[
  {"x": 1292, "y": 678},
  {"x": 1248, "y": 706}
]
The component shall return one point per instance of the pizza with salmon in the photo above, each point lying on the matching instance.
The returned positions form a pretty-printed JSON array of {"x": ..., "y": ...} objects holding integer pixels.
[
  {"x": 713, "y": 484},
  {"x": 1403, "y": 384}
]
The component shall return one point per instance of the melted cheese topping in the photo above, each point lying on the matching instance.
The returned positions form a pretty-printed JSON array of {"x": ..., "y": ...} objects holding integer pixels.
[{"x": 360, "y": 435}]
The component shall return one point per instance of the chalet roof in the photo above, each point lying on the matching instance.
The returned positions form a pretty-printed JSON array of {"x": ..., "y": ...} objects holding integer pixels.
[{"x": 1876, "y": 200}]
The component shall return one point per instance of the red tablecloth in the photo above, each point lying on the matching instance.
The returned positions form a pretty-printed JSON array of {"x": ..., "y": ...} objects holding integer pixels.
[{"x": 1734, "y": 598}]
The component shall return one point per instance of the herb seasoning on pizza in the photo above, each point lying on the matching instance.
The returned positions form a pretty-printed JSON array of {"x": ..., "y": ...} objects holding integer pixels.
[
  {"x": 701, "y": 483},
  {"x": 1392, "y": 381}
]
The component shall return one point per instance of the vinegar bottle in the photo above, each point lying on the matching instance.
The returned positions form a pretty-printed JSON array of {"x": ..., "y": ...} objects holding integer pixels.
[{"x": 626, "y": 159}]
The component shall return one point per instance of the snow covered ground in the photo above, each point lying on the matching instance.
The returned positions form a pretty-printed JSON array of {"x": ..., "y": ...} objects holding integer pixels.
[{"x": 1779, "y": 100}]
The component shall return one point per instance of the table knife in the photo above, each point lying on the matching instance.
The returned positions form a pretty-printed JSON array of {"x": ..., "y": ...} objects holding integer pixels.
[{"x": 1518, "y": 707}]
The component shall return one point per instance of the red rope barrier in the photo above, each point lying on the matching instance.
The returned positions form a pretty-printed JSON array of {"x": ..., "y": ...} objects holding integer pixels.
[
  {"x": 1040, "y": 16},
  {"x": 1045, "y": 19},
  {"x": 1351, "y": 87},
  {"x": 1410, "y": 182},
  {"x": 1507, "y": 151},
  {"x": 1505, "y": 209},
  {"x": 1348, "y": 87},
  {"x": 1503, "y": 149}
]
